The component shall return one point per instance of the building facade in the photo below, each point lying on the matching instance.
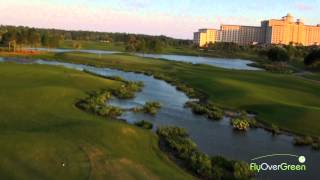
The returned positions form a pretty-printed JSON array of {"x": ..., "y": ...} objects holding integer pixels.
[
  {"x": 273, "y": 31},
  {"x": 206, "y": 36}
]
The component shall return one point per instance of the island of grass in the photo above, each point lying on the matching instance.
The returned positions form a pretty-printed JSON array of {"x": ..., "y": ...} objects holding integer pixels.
[
  {"x": 45, "y": 136},
  {"x": 151, "y": 108},
  {"x": 144, "y": 124},
  {"x": 286, "y": 101}
]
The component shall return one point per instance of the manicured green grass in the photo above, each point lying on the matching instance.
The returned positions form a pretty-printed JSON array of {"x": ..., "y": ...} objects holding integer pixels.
[
  {"x": 44, "y": 136},
  {"x": 287, "y": 101},
  {"x": 94, "y": 45}
]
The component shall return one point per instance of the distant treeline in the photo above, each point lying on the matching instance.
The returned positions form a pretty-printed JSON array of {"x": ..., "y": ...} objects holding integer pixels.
[{"x": 26, "y": 36}]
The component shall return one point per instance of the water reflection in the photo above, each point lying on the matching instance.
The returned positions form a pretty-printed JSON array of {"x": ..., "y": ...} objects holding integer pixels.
[{"x": 226, "y": 63}]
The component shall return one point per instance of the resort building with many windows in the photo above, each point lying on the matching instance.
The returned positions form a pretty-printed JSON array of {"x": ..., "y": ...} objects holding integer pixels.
[{"x": 273, "y": 31}]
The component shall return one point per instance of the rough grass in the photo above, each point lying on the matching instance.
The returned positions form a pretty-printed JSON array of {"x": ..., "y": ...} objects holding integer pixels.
[
  {"x": 44, "y": 136},
  {"x": 287, "y": 101}
]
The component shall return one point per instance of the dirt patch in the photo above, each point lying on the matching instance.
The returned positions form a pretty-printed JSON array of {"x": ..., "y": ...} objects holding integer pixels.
[
  {"x": 128, "y": 131},
  {"x": 104, "y": 166}
]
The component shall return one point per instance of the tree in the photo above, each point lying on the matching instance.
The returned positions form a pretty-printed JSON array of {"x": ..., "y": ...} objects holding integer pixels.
[
  {"x": 10, "y": 39},
  {"x": 54, "y": 41},
  {"x": 131, "y": 44},
  {"x": 278, "y": 54},
  {"x": 33, "y": 37},
  {"x": 156, "y": 46},
  {"x": 313, "y": 58},
  {"x": 45, "y": 40},
  {"x": 141, "y": 46},
  {"x": 242, "y": 170}
]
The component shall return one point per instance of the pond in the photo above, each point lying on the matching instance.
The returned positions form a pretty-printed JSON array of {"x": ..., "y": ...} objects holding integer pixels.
[
  {"x": 226, "y": 63},
  {"x": 212, "y": 137}
]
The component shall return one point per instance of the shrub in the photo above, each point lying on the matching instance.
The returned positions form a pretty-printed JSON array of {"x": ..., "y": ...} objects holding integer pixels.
[
  {"x": 278, "y": 67},
  {"x": 144, "y": 124},
  {"x": 275, "y": 129},
  {"x": 128, "y": 90},
  {"x": 303, "y": 141},
  {"x": 210, "y": 110},
  {"x": 313, "y": 58},
  {"x": 109, "y": 111},
  {"x": 316, "y": 146},
  {"x": 222, "y": 162},
  {"x": 178, "y": 143},
  {"x": 201, "y": 164},
  {"x": 151, "y": 107},
  {"x": 97, "y": 103},
  {"x": 278, "y": 54},
  {"x": 197, "y": 108},
  {"x": 214, "y": 112},
  {"x": 240, "y": 124},
  {"x": 242, "y": 170},
  {"x": 188, "y": 90}
]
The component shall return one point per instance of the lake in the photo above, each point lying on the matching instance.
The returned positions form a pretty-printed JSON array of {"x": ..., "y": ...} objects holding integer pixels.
[{"x": 226, "y": 63}]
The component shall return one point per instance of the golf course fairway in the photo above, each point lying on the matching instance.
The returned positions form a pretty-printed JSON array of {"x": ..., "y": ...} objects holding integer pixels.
[{"x": 44, "y": 136}]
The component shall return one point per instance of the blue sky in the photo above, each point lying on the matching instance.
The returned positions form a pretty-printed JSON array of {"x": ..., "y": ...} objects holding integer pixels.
[{"x": 176, "y": 18}]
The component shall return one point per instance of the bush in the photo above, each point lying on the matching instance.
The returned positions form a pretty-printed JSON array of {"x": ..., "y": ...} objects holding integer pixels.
[
  {"x": 278, "y": 54},
  {"x": 210, "y": 110},
  {"x": 275, "y": 129},
  {"x": 178, "y": 143},
  {"x": 144, "y": 124},
  {"x": 316, "y": 146},
  {"x": 127, "y": 90},
  {"x": 303, "y": 141},
  {"x": 151, "y": 108},
  {"x": 109, "y": 111},
  {"x": 97, "y": 103},
  {"x": 240, "y": 124},
  {"x": 278, "y": 67},
  {"x": 188, "y": 90},
  {"x": 242, "y": 170},
  {"x": 201, "y": 164},
  {"x": 313, "y": 58},
  {"x": 197, "y": 108},
  {"x": 214, "y": 112}
]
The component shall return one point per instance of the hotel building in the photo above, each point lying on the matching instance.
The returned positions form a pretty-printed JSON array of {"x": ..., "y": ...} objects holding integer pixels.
[
  {"x": 206, "y": 36},
  {"x": 273, "y": 31}
]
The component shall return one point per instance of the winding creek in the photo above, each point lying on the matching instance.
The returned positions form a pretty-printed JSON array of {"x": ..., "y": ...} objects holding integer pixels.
[{"x": 212, "y": 137}]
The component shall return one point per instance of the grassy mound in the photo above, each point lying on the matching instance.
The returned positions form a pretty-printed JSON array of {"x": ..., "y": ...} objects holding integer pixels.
[{"x": 44, "y": 136}]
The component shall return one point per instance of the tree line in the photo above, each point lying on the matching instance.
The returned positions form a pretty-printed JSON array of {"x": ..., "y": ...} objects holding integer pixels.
[
  {"x": 274, "y": 53},
  {"x": 26, "y": 36}
]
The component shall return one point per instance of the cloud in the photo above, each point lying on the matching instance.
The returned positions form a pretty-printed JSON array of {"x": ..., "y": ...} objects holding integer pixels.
[
  {"x": 303, "y": 7},
  {"x": 136, "y": 4}
]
